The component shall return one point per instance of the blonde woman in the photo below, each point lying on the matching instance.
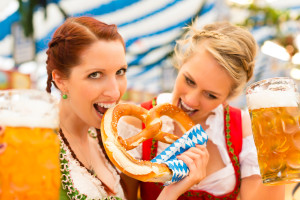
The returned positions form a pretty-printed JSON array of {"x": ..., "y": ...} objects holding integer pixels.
[{"x": 214, "y": 64}]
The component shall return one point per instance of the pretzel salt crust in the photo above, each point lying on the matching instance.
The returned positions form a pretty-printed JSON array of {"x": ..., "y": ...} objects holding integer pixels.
[{"x": 116, "y": 147}]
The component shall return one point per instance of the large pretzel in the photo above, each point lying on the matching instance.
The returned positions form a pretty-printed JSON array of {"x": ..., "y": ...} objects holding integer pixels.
[{"x": 116, "y": 147}]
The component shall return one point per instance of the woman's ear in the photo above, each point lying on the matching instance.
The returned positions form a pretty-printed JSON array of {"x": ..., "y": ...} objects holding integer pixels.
[{"x": 59, "y": 80}]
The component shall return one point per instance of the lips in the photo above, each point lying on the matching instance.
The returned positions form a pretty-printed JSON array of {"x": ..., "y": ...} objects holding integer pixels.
[
  {"x": 188, "y": 110},
  {"x": 101, "y": 108}
]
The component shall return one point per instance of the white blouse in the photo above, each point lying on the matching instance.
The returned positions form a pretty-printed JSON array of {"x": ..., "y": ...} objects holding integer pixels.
[
  {"x": 222, "y": 181},
  {"x": 83, "y": 181}
]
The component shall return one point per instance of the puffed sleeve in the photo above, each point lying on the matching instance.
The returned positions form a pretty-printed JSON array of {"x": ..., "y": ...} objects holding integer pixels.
[
  {"x": 248, "y": 158},
  {"x": 126, "y": 130}
]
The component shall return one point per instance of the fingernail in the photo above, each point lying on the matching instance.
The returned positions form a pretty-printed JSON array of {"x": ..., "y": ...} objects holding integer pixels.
[
  {"x": 0, "y": 128},
  {"x": 1, "y": 145}
]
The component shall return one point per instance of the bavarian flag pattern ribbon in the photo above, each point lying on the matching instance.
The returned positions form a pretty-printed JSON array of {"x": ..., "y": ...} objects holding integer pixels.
[{"x": 196, "y": 135}]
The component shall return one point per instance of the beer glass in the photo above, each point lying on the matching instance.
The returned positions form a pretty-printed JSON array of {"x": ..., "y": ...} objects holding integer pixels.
[
  {"x": 273, "y": 106},
  {"x": 29, "y": 167}
]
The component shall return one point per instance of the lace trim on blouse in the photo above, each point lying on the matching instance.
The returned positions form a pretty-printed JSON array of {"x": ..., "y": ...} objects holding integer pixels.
[{"x": 79, "y": 183}]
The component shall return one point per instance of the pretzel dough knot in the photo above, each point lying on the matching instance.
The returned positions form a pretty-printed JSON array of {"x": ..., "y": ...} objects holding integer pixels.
[{"x": 116, "y": 147}]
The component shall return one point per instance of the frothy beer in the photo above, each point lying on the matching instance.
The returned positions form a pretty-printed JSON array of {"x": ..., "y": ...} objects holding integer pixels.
[
  {"x": 273, "y": 106},
  {"x": 30, "y": 166}
]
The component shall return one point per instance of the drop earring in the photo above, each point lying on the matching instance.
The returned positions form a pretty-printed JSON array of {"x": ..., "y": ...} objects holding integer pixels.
[{"x": 64, "y": 96}]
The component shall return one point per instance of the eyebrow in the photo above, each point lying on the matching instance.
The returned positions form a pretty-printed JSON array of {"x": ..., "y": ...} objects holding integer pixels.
[{"x": 101, "y": 69}]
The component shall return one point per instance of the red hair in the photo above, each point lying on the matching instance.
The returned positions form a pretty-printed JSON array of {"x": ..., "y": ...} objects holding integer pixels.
[{"x": 71, "y": 38}]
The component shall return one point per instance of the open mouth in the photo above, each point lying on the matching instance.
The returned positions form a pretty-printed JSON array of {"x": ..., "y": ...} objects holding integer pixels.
[
  {"x": 101, "y": 108},
  {"x": 188, "y": 110}
]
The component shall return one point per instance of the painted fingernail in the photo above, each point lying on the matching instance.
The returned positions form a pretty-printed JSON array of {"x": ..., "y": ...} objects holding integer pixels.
[
  {"x": 1, "y": 145},
  {"x": 0, "y": 128}
]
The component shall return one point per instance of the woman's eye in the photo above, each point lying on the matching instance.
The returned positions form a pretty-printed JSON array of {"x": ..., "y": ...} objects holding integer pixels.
[
  {"x": 189, "y": 81},
  {"x": 210, "y": 96},
  {"x": 95, "y": 75},
  {"x": 121, "y": 72}
]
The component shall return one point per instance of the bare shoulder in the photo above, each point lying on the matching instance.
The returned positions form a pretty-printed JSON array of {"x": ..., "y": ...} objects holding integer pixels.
[{"x": 246, "y": 123}]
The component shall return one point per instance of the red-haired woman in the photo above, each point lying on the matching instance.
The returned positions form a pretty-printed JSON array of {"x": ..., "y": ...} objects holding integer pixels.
[{"x": 86, "y": 62}]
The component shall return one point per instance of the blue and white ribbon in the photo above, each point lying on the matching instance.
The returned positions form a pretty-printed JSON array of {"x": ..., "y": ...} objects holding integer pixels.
[{"x": 195, "y": 135}]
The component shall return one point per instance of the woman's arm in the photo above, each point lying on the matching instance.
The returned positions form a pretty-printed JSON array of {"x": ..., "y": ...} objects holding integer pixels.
[
  {"x": 196, "y": 158},
  {"x": 253, "y": 188}
]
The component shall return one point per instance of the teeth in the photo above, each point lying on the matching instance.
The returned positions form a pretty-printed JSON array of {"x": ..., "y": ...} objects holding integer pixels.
[
  {"x": 186, "y": 106},
  {"x": 106, "y": 105}
]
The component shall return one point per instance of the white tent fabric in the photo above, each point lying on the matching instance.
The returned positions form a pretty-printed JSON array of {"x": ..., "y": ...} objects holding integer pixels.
[{"x": 149, "y": 28}]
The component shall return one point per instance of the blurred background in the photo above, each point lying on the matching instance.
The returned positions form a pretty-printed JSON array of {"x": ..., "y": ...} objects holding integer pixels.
[{"x": 150, "y": 29}]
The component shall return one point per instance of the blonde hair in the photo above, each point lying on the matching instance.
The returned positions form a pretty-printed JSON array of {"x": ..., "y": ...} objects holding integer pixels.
[{"x": 233, "y": 47}]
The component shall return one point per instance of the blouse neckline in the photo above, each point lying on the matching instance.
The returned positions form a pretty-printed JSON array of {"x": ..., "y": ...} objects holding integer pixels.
[{"x": 66, "y": 158}]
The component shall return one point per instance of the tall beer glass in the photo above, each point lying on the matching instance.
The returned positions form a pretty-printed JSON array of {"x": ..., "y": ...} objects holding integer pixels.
[
  {"x": 29, "y": 167},
  {"x": 273, "y": 106}
]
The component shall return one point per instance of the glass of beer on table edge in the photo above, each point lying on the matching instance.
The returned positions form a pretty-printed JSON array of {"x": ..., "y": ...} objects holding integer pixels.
[
  {"x": 274, "y": 109},
  {"x": 29, "y": 167}
]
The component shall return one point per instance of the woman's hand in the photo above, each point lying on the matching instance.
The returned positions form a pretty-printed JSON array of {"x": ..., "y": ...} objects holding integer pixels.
[
  {"x": 196, "y": 158},
  {"x": 2, "y": 145}
]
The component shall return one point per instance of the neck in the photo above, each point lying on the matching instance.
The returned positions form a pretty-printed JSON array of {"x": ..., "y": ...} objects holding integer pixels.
[
  {"x": 202, "y": 119},
  {"x": 72, "y": 125}
]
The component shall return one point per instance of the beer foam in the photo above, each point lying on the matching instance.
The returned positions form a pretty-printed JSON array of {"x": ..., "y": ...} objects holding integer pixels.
[
  {"x": 19, "y": 109},
  {"x": 267, "y": 99}
]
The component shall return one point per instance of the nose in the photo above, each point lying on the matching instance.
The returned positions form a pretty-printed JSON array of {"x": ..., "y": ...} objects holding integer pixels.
[
  {"x": 193, "y": 99},
  {"x": 112, "y": 89}
]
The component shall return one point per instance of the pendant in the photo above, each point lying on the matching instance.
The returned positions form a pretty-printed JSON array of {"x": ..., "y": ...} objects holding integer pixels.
[
  {"x": 92, "y": 133},
  {"x": 92, "y": 171}
]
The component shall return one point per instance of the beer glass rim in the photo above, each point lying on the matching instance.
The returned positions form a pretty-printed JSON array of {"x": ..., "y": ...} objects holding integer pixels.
[
  {"x": 29, "y": 92},
  {"x": 16, "y": 91},
  {"x": 253, "y": 85},
  {"x": 28, "y": 107}
]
